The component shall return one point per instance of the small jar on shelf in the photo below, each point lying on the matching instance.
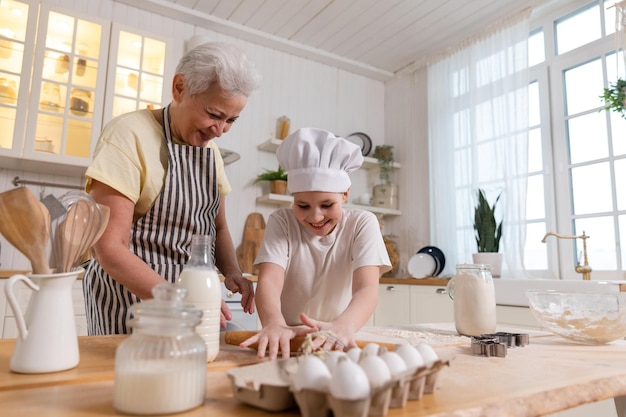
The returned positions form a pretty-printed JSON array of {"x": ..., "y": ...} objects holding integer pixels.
[
  {"x": 283, "y": 125},
  {"x": 80, "y": 102}
]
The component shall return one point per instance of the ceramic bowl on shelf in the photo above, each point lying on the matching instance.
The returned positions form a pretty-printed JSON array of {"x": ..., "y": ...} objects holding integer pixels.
[
  {"x": 437, "y": 254},
  {"x": 362, "y": 140},
  {"x": 421, "y": 265},
  {"x": 586, "y": 317}
]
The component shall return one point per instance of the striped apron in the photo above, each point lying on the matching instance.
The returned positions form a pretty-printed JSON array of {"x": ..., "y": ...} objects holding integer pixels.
[{"x": 188, "y": 205}]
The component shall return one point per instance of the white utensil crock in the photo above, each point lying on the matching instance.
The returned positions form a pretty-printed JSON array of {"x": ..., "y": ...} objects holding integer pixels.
[{"x": 47, "y": 340}]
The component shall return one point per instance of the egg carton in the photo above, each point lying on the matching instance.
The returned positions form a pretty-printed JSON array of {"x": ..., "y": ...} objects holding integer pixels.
[{"x": 269, "y": 386}]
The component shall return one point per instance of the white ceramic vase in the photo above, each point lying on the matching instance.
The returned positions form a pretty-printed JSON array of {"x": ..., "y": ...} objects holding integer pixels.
[{"x": 491, "y": 258}]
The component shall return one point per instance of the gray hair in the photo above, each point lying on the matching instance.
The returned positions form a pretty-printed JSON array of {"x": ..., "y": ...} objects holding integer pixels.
[{"x": 221, "y": 63}]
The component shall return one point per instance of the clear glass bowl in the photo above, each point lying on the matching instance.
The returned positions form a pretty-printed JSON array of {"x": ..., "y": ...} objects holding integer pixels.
[{"x": 592, "y": 318}]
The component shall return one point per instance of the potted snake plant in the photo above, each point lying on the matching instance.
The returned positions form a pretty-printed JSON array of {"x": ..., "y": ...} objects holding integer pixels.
[{"x": 488, "y": 233}]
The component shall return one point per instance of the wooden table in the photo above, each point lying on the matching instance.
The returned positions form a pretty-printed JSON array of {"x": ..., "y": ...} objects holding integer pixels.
[{"x": 549, "y": 375}]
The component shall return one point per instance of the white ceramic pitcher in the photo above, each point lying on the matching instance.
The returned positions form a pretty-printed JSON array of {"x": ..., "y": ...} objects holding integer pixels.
[{"x": 47, "y": 340}]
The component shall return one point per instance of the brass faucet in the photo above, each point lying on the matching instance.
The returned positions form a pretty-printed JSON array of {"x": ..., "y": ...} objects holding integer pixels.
[{"x": 584, "y": 269}]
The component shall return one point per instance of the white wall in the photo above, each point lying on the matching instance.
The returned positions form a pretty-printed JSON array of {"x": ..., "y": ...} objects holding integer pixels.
[
  {"x": 310, "y": 93},
  {"x": 406, "y": 128}
]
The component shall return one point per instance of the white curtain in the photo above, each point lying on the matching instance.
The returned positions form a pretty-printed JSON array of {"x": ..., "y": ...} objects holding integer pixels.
[{"x": 478, "y": 138}]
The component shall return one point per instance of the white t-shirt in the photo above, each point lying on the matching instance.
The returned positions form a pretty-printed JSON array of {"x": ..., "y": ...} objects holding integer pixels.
[{"x": 318, "y": 270}]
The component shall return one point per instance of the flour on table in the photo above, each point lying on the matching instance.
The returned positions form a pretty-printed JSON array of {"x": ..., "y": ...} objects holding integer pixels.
[{"x": 400, "y": 334}]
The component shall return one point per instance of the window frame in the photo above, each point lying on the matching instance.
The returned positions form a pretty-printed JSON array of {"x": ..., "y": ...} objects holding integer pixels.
[{"x": 562, "y": 253}]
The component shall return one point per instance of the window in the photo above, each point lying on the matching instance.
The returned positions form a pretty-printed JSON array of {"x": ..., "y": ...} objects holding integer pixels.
[{"x": 577, "y": 152}]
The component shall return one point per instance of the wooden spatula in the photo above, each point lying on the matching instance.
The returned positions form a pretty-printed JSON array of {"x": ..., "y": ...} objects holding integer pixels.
[{"x": 25, "y": 224}]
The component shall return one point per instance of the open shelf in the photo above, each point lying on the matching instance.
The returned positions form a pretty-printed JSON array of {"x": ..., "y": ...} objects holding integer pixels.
[
  {"x": 286, "y": 201},
  {"x": 272, "y": 144}
]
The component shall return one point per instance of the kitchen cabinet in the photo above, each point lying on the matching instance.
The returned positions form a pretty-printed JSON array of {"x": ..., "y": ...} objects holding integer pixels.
[
  {"x": 137, "y": 66},
  {"x": 516, "y": 317},
  {"x": 410, "y": 304},
  {"x": 393, "y": 305},
  {"x": 23, "y": 294},
  {"x": 67, "y": 92},
  {"x": 65, "y": 74},
  {"x": 18, "y": 24},
  {"x": 369, "y": 164},
  {"x": 430, "y": 304}
]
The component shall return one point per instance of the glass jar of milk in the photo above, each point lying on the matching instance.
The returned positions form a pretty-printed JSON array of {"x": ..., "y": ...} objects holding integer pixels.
[
  {"x": 161, "y": 367},
  {"x": 474, "y": 298},
  {"x": 204, "y": 291}
]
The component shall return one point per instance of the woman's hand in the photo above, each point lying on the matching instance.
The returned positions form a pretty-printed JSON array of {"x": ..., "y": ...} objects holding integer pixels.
[
  {"x": 243, "y": 286},
  {"x": 275, "y": 339}
]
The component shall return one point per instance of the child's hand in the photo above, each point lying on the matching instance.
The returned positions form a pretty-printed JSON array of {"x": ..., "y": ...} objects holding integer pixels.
[
  {"x": 344, "y": 334},
  {"x": 274, "y": 339}
]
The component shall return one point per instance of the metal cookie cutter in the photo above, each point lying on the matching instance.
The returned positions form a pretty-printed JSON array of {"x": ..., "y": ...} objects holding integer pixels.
[{"x": 496, "y": 344}]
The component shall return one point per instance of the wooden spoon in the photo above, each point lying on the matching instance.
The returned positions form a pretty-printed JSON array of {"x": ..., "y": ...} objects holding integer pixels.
[{"x": 25, "y": 224}]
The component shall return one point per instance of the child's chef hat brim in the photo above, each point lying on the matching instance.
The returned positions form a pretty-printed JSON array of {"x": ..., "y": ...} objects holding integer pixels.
[{"x": 317, "y": 160}]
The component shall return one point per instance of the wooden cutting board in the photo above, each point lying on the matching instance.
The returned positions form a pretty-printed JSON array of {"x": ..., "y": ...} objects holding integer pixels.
[{"x": 252, "y": 238}]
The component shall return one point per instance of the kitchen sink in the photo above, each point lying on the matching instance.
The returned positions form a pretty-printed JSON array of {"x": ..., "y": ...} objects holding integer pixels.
[{"x": 512, "y": 292}]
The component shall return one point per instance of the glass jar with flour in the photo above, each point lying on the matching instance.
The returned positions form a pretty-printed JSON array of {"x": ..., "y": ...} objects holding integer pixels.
[
  {"x": 161, "y": 367},
  {"x": 473, "y": 293}
]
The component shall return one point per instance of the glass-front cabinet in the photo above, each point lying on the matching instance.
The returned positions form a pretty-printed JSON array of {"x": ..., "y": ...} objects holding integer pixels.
[
  {"x": 18, "y": 21},
  {"x": 140, "y": 71},
  {"x": 67, "y": 94},
  {"x": 62, "y": 76}
]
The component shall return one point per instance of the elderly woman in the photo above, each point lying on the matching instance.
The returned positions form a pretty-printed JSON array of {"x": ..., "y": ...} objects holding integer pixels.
[{"x": 163, "y": 178}]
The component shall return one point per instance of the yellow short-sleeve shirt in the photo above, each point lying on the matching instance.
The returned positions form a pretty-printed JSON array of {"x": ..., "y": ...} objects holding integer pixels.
[{"x": 131, "y": 157}]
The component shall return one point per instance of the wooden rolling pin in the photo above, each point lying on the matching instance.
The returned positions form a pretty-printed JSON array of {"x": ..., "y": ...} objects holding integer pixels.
[{"x": 236, "y": 337}]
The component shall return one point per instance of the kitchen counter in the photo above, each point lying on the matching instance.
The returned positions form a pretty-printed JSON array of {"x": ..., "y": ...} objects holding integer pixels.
[
  {"x": 414, "y": 281},
  {"x": 544, "y": 377},
  {"x": 384, "y": 280}
]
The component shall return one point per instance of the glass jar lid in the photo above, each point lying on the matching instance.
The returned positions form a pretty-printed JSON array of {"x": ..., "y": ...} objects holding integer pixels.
[
  {"x": 167, "y": 305},
  {"x": 480, "y": 267}
]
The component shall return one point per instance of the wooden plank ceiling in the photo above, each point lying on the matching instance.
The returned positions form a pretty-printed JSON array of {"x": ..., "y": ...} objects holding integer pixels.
[{"x": 386, "y": 35}]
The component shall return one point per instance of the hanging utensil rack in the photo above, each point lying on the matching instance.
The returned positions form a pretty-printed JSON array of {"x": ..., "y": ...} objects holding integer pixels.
[{"x": 17, "y": 182}]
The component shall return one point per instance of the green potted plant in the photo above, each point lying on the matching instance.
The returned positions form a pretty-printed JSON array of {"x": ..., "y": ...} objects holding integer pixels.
[
  {"x": 384, "y": 156},
  {"x": 614, "y": 97},
  {"x": 488, "y": 233},
  {"x": 277, "y": 179},
  {"x": 385, "y": 194}
]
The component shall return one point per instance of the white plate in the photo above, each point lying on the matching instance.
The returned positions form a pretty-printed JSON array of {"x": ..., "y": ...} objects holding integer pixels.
[
  {"x": 362, "y": 140},
  {"x": 421, "y": 265}
]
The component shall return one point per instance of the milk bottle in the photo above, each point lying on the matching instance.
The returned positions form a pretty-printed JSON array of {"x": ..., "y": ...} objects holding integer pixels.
[{"x": 204, "y": 291}]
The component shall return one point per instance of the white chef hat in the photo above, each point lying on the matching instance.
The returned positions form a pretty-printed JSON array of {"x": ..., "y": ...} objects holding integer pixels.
[{"x": 317, "y": 160}]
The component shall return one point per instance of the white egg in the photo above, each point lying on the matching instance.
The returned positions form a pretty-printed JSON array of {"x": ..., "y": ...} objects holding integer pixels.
[
  {"x": 376, "y": 370},
  {"x": 371, "y": 349},
  {"x": 349, "y": 381},
  {"x": 410, "y": 355},
  {"x": 428, "y": 353},
  {"x": 312, "y": 374},
  {"x": 331, "y": 357},
  {"x": 354, "y": 353},
  {"x": 395, "y": 363}
]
